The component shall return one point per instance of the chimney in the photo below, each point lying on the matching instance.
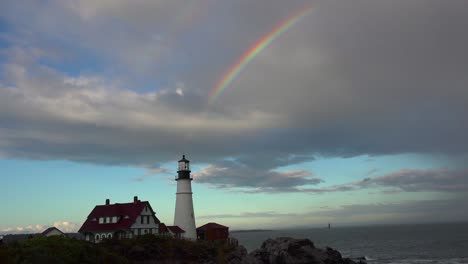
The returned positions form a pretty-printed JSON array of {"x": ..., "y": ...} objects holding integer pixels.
[
  {"x": 135, "y": 199},
  {"x": 107, "y": 201}
]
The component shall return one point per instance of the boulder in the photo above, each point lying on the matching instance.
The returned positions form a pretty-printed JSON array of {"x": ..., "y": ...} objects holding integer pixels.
[
  {"x": 286, "y": 250},
  {"x": 237, "y": 256}
]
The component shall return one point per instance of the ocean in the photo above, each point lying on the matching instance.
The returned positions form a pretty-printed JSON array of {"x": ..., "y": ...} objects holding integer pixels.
[{"x": 396, "y": 244}]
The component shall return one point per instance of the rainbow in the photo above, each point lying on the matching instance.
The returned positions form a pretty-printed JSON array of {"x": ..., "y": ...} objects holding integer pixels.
[{"x": 253, "y": 51}]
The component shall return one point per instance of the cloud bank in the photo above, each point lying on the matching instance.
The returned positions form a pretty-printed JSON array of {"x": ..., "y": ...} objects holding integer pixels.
[{"x": 110, "y": 82}]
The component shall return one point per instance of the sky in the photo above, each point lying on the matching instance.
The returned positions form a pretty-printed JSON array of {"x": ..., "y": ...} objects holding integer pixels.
[{"x": 293, "y": 113}]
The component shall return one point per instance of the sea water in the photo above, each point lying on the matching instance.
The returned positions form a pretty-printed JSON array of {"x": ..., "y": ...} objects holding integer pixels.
[{"x": 408, "y": 244}]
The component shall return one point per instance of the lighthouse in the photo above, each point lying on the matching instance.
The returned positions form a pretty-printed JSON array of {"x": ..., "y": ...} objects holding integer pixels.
[{"x": 184, "y": 216}]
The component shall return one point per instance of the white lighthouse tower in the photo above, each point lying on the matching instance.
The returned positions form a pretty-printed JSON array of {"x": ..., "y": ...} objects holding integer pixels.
[{"x": 184, "y": 216}]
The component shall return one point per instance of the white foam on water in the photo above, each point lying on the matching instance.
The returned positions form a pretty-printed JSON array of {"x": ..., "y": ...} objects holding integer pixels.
[{"x": 428, "y": 261}]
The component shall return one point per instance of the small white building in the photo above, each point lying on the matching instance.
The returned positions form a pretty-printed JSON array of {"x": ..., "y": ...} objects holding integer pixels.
[
  {"x": 52, "y": 231},
  {"x": 118, "y": 220},
  {"x": 172, "y": 231}
]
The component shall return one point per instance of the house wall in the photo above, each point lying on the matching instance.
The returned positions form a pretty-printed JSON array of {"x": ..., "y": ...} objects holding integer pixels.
[
  {"x": 54, "y": 232},
  {"x": 98, "y": 236},
  {"x": 93, "y": 237},
  {"x": 146, "y": 228},
  {"x": 217, "y": 234},
  {"x": 175, "y": 235}
]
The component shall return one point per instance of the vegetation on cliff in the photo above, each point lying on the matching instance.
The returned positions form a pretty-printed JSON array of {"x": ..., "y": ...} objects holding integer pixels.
[
  {"x": 152, "y": 249},
  {"x": 144, "y": 249}
]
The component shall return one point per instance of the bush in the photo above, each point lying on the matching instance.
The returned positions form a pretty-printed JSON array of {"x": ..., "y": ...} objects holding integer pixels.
[{"x": 57, "y": 249}]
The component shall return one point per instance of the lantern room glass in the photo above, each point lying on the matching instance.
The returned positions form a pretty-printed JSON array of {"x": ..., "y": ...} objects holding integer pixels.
[{"x": 184, "y": 166}]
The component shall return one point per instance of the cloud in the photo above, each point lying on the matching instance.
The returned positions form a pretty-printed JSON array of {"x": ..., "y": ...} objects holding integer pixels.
[
  {"x": 411, "y": 180},
  {"x": 406, "y": 180},
  {"x": 419, "y": 211},
  {"x": 152, "y": 172},
  {"x": 64, "y": 226},
  {"x": 243, "y": 175},
  {"x": 348, "y": 79},
  {"x": 372, "y": 171},
  {"x": 422, "y": 211},
  {"x": 48, "y": 115},
  {"x": 23, "y": 229},
  {"x": 442, "y": 180},
  {"x": 266, "y": 214}
]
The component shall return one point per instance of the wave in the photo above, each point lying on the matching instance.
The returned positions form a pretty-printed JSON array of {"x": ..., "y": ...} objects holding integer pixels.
[{"x": 419, "y": 261}]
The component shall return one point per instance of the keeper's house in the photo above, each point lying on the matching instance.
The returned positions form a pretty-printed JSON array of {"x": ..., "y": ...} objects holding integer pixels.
[{"x": 120, "y": 220}]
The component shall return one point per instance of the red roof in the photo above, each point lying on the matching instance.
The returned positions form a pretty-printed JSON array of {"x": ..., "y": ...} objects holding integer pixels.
[
  {"x": 127, "y": 212},
  {"x": 175, "y": 229},
  {"x": 163, "y": 228},
  {"x": 211, "y": 226}
]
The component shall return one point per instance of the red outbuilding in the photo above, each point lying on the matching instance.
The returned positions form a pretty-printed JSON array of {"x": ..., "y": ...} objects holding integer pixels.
[{"x": 213, "y": 231}]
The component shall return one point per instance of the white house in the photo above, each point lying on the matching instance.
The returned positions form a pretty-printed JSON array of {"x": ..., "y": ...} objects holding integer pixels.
[
  {"x": 118, "y": 220},
  {"x": 52, "y": 231}
]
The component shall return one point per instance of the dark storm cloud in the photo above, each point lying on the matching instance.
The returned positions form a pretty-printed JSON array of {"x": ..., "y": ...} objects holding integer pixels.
[{"x": 351, "y": 78}]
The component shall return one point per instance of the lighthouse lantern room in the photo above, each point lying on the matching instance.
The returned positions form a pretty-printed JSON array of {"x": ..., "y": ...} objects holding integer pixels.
[{"x": 184, "y": 169}]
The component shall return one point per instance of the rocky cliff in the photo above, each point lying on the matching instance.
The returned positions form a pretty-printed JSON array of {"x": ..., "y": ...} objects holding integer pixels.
[{"x": 286, "y": 250}]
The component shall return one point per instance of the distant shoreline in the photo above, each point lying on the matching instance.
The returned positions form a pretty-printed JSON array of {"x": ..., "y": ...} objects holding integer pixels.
[{"x": 251, "y": 230}]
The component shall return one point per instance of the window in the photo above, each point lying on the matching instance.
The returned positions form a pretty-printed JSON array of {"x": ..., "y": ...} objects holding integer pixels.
[
  {"x": 147, "y": 219},
  {"x": 146, "y": 231},
  {"x": 97, "y": 237},
  {"x": 108, "y": 220},
  {"x": 109, "y": 236},
  {"x": 101, "y": 220}
]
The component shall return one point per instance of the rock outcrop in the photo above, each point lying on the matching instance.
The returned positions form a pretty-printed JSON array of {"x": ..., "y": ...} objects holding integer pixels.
[{"x": 286, "y": 250}]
